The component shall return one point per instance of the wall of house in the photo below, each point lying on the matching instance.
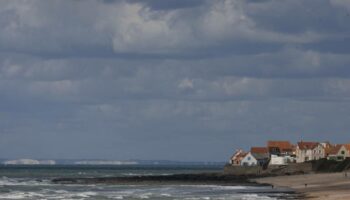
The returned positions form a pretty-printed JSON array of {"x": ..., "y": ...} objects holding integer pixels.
[
  {"x": 249, "y": 160},
  {"x": 318, "y": 152},
  {"x": 281, "y": 160},
  {"x": 236, "y": 158},
  {"x": 234, "y": 162},
  {"x": 300, "y": 155},
  {"x": 341, "y": 154},
  {"x": 303, "y": 155},
  {"x": 277, "y": 160}
]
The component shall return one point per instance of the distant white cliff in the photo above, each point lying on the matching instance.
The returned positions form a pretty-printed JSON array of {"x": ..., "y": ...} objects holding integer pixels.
[
  {"x": 104, "y": 162},
  {"x": 29, "y": 162}
]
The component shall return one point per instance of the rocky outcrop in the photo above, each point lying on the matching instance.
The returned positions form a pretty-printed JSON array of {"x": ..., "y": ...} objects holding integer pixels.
[
  {"x": 325, "y": 165},
  {"x": 205, "y": 178}
]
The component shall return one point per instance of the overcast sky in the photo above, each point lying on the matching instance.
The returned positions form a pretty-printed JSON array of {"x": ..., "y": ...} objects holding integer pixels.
[{"x": 176, "y": 79}]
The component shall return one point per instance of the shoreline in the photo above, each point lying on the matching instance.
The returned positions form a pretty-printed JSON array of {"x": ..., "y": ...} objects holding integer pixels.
[{"x": 323, "y": 186}]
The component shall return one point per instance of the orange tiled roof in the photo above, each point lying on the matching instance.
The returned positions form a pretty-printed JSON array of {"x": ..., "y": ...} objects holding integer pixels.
[
  {"x": 282, "y": 145},
  {"x": 307, "y": 145},
  {"x": 347, "y": 146},
  {"x": 335, "y": 149},
  {"x": 328, "y": 149},
  {"x": 259, "y": 150}
]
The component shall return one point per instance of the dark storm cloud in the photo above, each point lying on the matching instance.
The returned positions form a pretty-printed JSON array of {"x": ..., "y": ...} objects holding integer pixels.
[{"x": 138, "y": 79}]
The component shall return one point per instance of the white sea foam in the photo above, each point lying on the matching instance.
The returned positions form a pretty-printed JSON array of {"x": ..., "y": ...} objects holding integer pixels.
[
  {"x": 30, "y": 189},
  {"x": 117, "y": 197},
  {"x": 256, "y": 197},
  {"x": 85, "y": 194},
  {"x": 4, "y": 181},
  {"x": 21, "y": 195},
  {"x": 219, "y": 187},
  {"x": 145, "y": 174}
]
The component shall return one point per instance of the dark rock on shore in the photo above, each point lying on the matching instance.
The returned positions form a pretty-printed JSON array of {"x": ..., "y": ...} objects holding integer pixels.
[
  {"x": 324, "y": 165},
  {"x": 204, "y": 178}
]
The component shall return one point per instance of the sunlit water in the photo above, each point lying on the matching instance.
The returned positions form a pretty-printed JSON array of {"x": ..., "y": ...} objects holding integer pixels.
[{"x": 34, "y": 183}]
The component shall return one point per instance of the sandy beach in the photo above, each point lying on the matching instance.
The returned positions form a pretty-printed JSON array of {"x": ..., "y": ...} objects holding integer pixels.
[{"x": 318, "y": 186}]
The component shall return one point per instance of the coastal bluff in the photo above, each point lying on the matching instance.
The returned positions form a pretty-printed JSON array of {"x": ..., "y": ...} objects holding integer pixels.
[
  {"x": 316, "y": 166},
  {"x": 293, "y": 168}
]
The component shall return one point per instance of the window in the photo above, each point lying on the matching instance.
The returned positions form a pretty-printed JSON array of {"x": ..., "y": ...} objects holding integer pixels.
[
  {"x": 342, "y": 152},
  {"x": 249, "y": 158}
]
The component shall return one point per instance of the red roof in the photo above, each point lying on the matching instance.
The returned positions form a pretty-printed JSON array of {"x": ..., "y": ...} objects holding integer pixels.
[
  {"x": 307, "y": 145},
  {"x": 335, "y": 149},
  {"x": 259, "y": 150},
  {"x": 347, "y": 146},
  {"x": 282, "y": 145}
]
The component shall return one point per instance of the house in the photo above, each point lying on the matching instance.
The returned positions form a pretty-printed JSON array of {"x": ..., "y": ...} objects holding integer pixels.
[
  {"x": 237, "y": 157},
  {"x": 249, "y": 160},
  {"x": 326, "y": 144},
  {"x": 305, "y": 151},
  {"x": 328, "y": 149},
  {"x": 338, "y": 152},
  {"x": 261, "y": 154},
  {"x": 280, "y": 148},
  {"x": 347, "y": 146},
  {"x": 319, "y": 151}
]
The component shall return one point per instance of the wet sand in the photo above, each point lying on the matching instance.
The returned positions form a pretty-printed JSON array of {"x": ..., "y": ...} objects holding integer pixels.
[{"x": 318, "y": 186}]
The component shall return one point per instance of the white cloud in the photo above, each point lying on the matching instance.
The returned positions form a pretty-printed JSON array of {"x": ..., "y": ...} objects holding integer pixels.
[
  {"x": 123, "y": 72},
  {"x": 186, "y": 84},
  {"x": 134, "y": 27}
]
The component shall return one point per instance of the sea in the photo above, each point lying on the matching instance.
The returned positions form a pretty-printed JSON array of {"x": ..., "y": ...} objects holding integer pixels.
[{"x": 34, "y": 183}]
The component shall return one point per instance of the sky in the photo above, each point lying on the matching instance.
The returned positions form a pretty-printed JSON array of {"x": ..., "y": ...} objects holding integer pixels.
[{"x": 186, "y": 80}]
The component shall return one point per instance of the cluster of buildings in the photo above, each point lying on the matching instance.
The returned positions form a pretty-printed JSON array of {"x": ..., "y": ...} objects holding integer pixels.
[{"x": 284, "y": 153}]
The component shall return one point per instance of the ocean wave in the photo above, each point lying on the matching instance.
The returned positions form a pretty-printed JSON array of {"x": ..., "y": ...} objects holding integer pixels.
[
  {"x": 32, "y": 189},
  {"x": 145, "y": 174},
  {"x": 45, "y": 195},
  {"x": 63, "y": 194},
  {"x": 5, "y": 181},
  {"x": 21, "y": 195},
  {"x": 256, "y": 197},
  {"x": 220, "y": 187}
]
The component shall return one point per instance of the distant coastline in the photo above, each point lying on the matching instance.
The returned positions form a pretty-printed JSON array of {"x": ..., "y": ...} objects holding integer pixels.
[{"x": 30, "y": 161}]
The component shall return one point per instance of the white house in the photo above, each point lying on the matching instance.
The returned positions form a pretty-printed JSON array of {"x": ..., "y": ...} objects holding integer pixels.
[
  {"x": 319, "y": 151},
  {"x": 237, "y": 157},
  {"x": 339, "y": 152},
  {"x": 304, "y": 151},
  {"x": 249, "y": 160}
]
